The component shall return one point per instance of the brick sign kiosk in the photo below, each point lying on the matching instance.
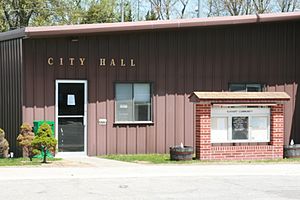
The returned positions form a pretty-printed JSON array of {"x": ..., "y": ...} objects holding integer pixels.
[{"x": 239, "y": 125}]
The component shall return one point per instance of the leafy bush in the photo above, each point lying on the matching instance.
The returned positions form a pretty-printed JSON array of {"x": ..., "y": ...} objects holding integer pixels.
[
  {"x": 4, "y": 146},
  {"x": 44, "y": 141},
  {"x": 25, "y": 139}
]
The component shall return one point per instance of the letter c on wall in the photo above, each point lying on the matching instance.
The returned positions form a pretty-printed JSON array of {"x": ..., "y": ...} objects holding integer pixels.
[{"x": 50, "y": 61}]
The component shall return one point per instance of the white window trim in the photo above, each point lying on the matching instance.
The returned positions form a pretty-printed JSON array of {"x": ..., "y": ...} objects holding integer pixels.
[{"x": 85, "y": 82}]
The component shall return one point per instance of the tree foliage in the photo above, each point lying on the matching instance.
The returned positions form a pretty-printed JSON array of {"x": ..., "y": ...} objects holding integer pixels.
[
  {"x": 22, "y": 13},
  {"x": 151, "y": 15},
  {"x": 102, "y": 12},
  {"x": 25, "y": 139},
  {"x": 44, "y": 141},
  {"x": 127, "y": 12},
  {"x": 4, "y": 146},
  {"x": 17, "y": 13}
]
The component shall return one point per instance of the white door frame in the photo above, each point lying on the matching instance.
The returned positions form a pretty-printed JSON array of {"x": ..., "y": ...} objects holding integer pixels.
[{"x": 84, "y": 118}]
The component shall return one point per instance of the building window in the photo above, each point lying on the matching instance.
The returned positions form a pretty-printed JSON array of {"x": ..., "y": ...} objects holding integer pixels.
[
  {"x": 133, "y": 102},
  {"x": 229, "y": 125},
  {"x": 245, "y": 87}
]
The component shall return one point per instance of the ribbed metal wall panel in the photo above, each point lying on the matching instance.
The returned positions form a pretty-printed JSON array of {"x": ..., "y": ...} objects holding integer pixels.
[
  {"x": 10, "y": 90},
  {"x": 177, "y": 62}
]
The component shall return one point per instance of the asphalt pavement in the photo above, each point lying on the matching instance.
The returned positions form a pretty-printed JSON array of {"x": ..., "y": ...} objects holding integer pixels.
[{"x": 95, "y": 178}]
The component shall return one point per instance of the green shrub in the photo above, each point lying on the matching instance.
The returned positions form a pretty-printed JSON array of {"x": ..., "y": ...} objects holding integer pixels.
[
  {"x": 4, "y": 146},
  {"x": 25, "y": 139},
  {"x": 44, "y": 141}
]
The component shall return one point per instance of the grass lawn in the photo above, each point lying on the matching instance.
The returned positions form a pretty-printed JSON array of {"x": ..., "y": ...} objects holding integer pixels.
[
  {"x": 24, "y": 161},
  {"x": 165, "y": 159}
]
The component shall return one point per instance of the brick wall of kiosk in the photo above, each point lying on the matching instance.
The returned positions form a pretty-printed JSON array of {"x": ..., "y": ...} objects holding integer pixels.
[{"x": 205, "y": 150}]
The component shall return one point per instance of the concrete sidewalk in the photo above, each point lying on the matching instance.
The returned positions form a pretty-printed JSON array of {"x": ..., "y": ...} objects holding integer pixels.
[
  {"x": 92, "y": 167},
  {"x": 96, "y": 162}
]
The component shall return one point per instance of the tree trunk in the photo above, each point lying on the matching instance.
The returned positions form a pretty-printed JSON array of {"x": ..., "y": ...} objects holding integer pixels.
[
  {"x": 25, "y": 152},
  {"x": 30, "y": 154},
  {"x": 45, "y": 155}
]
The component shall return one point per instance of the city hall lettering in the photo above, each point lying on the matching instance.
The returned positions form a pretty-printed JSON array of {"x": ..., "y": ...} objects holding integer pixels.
[{"x": 102, "y": 62}]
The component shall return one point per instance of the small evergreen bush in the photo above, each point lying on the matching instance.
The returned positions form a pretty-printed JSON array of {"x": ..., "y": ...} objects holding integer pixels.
[
  {"x": 44, "y": 141},
  {"x": 25, "y": 139},
  {"x": 4, "y": 146}
]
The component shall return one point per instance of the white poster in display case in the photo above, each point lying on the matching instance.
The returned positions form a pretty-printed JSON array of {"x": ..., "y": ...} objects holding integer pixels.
[
  {"x": 259, "y": 128},
  {"x": 219, "y": 129}
]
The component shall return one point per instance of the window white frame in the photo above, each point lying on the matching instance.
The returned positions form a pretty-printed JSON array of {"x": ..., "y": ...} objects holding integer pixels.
[
  {"x": 228, "y": 113},
  {"x": 151, "y": 105},
  {"x": 57, "y": 82}
]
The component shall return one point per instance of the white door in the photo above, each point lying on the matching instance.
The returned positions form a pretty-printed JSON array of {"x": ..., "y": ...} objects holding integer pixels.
[{"x": 71, "y": 115}]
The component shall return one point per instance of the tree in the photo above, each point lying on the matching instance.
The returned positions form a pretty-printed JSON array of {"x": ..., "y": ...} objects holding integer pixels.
[
  {"x": 4, "y": 146},
  {"x": 215, "y": 8},
  {"x": 75, "y": 11},
  {"x": 17, "y": 13},
  {"x": 21, "y": 13},
  {"x": 234, "y": 7},
  {"x": 184, "y": 5},
  {"x": 229, "y": 7},
  {"x": 3, "y": 24},
  {"x": 164, "y": 9},
  {"x": 25, "y": 139},
  {"x": 102, "y": 12},
  {"x": 44, "y": 141},
  {"x": 288, "y": 5},
  {"x": 261, "y": 6},
  {"x": 151, "y": 15},
  {"x": 56, "y": 12},
  {"x": 128, "y": 12}
]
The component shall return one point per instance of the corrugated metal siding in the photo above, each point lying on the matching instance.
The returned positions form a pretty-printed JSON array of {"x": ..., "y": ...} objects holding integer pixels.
[
  {"x": 177, "y": 62},
  {"x": 10, "y": 90},
  {"x": 296, "y": 89}
]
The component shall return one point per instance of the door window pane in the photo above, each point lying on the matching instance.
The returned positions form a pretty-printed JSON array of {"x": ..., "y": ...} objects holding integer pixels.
[
  {"x": 70, "y": 134},
  {"x": 71, "y": 99}
]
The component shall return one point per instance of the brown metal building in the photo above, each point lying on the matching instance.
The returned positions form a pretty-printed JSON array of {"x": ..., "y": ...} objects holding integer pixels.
[{"x": 124, "y": 87}]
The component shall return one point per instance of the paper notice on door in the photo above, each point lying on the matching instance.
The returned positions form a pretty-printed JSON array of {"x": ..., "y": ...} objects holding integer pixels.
[{"x": 71, "y": 100}]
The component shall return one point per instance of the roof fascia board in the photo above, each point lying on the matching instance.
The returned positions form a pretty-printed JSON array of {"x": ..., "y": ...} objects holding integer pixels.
[
  {"x": 69, "y": 30},
  {"x": 9, "y": 35},
  {"x": 155, "y": 25}
]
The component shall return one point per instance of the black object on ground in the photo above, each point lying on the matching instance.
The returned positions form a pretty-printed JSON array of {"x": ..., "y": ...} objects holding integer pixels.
[{"x": 181, "y": 153}]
